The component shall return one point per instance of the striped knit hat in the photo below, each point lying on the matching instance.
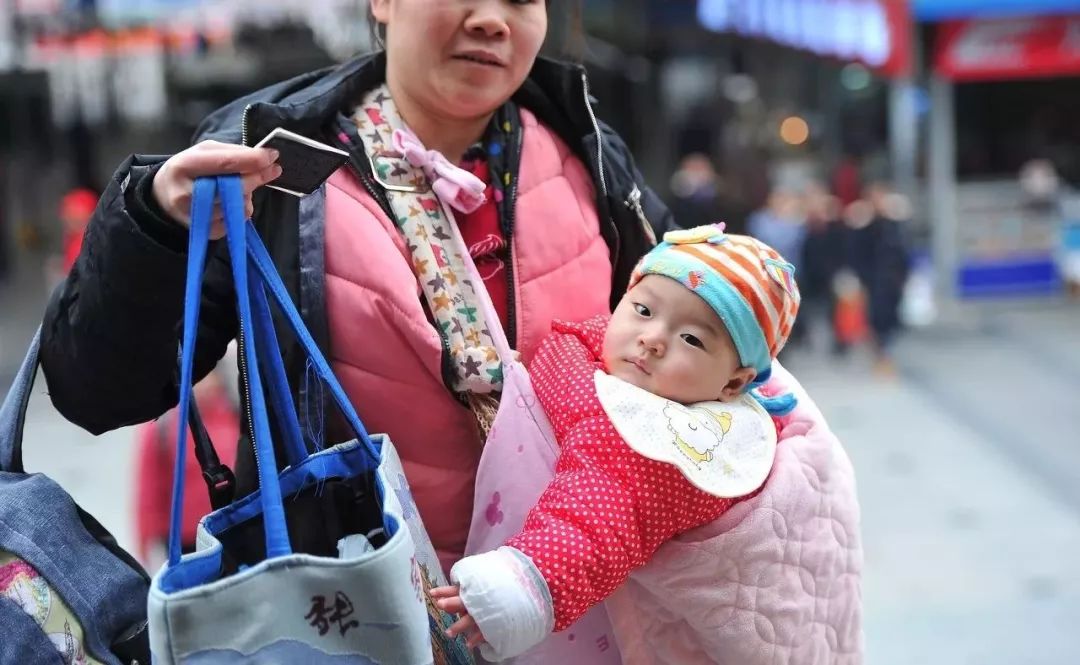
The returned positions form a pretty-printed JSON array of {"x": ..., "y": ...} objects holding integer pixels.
[{"x": 749, "y": 285}]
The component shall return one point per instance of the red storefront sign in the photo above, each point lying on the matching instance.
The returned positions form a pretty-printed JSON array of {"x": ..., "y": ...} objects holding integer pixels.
[
  {"x": 992, "y": 50},
  {"x": 876, "y": 33}
]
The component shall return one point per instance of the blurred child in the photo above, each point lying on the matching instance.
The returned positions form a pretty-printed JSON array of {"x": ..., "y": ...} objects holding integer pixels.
[
  {"x": 155, "y": 460},
  {"x": 76, "y": 208}
]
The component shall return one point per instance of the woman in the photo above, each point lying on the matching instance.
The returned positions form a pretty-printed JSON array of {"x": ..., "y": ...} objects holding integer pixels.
[{"x": 459, "y": 73}]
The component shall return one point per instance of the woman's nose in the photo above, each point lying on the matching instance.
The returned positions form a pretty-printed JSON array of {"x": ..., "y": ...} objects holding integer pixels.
[{"x": 487, "y": 18}]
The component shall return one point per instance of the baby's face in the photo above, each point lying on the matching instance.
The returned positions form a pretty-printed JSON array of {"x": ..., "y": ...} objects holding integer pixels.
[{"x": 665, "y": 339}]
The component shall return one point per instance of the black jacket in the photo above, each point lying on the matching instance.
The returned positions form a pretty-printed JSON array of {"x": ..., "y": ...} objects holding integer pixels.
[{"x": 111, "y": 330}]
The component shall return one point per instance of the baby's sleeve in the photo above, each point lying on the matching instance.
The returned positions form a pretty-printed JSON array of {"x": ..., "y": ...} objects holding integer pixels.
[
  {"x": 562, "y": 373},
  {"x": 604, "y": 515}
]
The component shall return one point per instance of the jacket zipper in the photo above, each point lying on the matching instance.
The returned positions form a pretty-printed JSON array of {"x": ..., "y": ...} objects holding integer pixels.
[
  {"x": 634, "y": 203},
  {"x": 600, "y": 167},
  {"x": 241, "y": 342},
  {"x": 596, "y": 130},
  {"x": 244, "y": 125},
  {"x": 246, "y": 395},
  {"x": 511, "y": 212}
]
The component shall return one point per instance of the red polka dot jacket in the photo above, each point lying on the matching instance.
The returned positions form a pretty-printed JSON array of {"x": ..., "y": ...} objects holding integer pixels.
[{"x": 608, "y": 508}]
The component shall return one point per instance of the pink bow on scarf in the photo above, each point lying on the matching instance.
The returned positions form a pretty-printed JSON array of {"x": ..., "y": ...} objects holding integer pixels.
[{"x": 452, "y": 184}]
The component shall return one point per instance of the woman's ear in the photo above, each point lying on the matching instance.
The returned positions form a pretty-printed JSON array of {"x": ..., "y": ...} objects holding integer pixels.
[
  {"x": 737, "y": 384},
  {"x": 380, "y": 10}
]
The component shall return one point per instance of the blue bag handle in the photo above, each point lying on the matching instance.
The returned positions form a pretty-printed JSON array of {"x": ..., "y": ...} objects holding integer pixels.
[
  {"x": 267, "y": 274},
  {"x": 246, "y": 251},
  {"x": 202, "y": 206},
  {"x": 284, "y": 407}
]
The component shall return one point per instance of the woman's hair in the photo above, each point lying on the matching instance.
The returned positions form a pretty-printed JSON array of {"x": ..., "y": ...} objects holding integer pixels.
[{"x": 565, "y": 35}]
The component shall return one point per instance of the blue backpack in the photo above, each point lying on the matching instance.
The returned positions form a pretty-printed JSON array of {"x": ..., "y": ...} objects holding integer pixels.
[{"x": 58, "y": 565}]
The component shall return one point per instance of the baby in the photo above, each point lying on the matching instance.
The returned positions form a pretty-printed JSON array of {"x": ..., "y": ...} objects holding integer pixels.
[{"x": 660, "y": 427}]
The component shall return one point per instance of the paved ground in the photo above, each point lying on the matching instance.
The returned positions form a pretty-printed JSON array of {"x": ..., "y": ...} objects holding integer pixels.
[{"x": 969, "y": 477}]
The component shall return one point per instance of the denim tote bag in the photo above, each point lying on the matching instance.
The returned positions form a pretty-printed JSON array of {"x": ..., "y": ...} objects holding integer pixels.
[
  {"x": 245, "y": 595},
  {"x": 68, "y": 592}
]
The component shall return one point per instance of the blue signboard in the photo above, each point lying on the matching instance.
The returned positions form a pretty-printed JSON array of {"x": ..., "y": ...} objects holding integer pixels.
[{"x": 941, "y": 10}]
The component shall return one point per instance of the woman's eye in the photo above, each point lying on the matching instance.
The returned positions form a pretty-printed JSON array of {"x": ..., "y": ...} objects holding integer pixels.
[
  {"x": 642, "y": 309},
  {"x": 693, "y": 341}
]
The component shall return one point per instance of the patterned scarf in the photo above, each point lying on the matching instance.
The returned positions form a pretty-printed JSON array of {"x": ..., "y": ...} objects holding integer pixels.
[{"x": 422, "y": 188}]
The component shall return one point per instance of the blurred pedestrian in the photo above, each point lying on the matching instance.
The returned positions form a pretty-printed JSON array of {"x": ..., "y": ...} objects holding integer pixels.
[
  {"x": 781, "y": 224},
  {"x": 879, "y": 257},
  {"x": 698, "y": 196},
  {"x": 824, "y": 254},
  {"x": 76, "y": 208},
  {"x": 155, "y": 458}
]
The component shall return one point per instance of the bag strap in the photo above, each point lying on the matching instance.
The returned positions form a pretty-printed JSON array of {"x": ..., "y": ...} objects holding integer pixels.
[
  {"x": 219, "y": 479},
  {"x": 266, "y": 273},
  {"x": 202, "y": 205},
  {"x": 13, "y": 412},
  {"x": 254, "y": 278},
  {"x": 270, "y": 361}
]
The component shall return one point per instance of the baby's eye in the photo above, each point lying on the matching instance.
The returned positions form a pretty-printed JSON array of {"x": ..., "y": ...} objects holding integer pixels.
[
  {"x": 642, "y": 309},
  {"x": 692, "y": 340}
]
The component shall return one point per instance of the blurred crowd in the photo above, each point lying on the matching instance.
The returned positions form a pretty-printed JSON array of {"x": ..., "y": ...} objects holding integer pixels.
[{"x": 847, "y": 242}]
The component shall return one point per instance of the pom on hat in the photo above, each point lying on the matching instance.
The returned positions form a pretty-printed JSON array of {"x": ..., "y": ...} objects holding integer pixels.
[{"x": 711, "y": 233}]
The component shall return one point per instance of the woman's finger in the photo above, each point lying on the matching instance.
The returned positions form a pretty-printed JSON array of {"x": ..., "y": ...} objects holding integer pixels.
[
  {"x": 217, "y": 230},
  {"x": 217, "y": 224},
  {"x": 253, "y": 181},
  {"x": 219, "y": 159}
]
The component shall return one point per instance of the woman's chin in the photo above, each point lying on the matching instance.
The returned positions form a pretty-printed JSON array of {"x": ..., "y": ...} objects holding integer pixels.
[{"x": 464, "y": 98}]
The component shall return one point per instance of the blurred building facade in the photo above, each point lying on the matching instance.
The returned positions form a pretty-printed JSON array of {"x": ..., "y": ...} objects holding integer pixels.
[{"x": 949, "y": 100}]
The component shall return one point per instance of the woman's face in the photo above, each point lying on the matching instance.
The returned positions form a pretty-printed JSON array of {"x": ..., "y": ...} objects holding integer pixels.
[{"x": 461, "y": 58}]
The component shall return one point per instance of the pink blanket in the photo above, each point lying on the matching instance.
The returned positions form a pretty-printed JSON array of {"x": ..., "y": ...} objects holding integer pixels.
[{"x": 774, "y": 581}]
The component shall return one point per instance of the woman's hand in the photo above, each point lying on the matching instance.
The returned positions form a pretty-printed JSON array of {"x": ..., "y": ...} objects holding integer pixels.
[
  {"x": 448, "y": 600},
  {"x": 174, "y": 182}
]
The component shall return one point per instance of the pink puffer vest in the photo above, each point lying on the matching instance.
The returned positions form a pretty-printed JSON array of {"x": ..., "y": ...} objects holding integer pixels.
[{"x": 388, "y": 356}]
